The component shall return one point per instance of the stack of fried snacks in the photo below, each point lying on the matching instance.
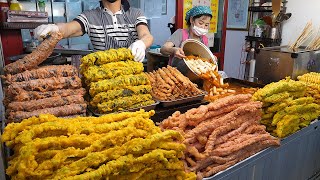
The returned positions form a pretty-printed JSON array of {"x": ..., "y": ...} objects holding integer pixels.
[
  {"x": 221, "y": 134},
  {"x": 169, "y": 84},
  {"x": 105, "y": 57},
  {"x": 312, "y": 80},
  {"x": 31, "y": 90},
  {"x": 115, "y": 81},
  {"x": 112, "y": 70},
  {"x": 114, "y": 146},
  {"x": 285, "y": 109}
]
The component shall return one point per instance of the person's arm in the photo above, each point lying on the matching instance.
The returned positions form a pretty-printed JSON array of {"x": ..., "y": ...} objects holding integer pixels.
[
  {"x": 70, "y": 29},
  {"x": 169, "y": 49},
  {"x": 145, "y": 35}
]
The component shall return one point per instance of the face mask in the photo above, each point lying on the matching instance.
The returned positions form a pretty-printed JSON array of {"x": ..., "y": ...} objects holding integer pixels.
[
  {"x": 199, "y": 31},
  {"x": 112, "y": 1}
]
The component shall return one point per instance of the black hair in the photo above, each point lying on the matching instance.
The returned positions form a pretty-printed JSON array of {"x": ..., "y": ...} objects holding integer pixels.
[{"x": 196, "y": 17}]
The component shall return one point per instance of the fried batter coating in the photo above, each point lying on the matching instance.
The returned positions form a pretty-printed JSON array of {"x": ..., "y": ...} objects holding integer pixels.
[
  {"x": 110, "y": 146},
  {"x": 122, "y": 103},
  {"x": 278, "y": 87},
  {"x": 114, "y": 94},
  {"x": 221, "y": 134},
  {"x": 97, "y": 73},
  {"x": 119, "y": 82},
  {"x": 104, "y": 57}
]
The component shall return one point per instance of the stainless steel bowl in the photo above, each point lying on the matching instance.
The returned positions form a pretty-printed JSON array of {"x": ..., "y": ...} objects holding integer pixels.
[{"x": 196, "y": 48}]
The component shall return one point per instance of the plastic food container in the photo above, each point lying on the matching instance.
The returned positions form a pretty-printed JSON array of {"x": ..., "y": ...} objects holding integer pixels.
[
  {"x": 196, "y": 48},
  {"x": 15, "y": 6}
]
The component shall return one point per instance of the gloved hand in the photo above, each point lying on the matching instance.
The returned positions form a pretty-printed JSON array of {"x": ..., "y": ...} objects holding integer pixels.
[
  {"x": 138, "y": 50},
  {"x": 43, "y": 30}
]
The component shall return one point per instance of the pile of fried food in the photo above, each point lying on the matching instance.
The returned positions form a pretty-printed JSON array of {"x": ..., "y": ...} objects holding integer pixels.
[
  {"x": 206, "y": 70},
  {"x": 233, "y": 89},
  {"x": 285, "y": 107},
  {"x": 213, "y": 82},
  {"x": 115, "y": 146},
  {"x": 220, "y": 134},
  {"x": 312, "y": 81},
  {"x": 169, "y": 84},
  {"x": 115, "y": 81},
  {"x": 31, "y": 90}
]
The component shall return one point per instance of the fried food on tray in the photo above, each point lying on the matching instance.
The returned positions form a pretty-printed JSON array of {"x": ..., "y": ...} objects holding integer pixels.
[
  {"x": 42, "y": 73},
  {"x": 35, "y": 95},
  {"x": 44, "y": 103},
  {"x": 43, "y": 85},
  {"x": 169, "y": 84},
  {"x": 67, "y": 110},
  {"x": 125, "y": 92},
  {"x": 119, "y": 82},
  {"x": 32, "y": 60},
  {"x": 112, "y": 78},
  {"x": 112, "y": 70},
  {"x": 286, "y": 110},
  {"x": 221, "y": 134},
  {"x": 115, "y": 146},
  {"x": 123, "y": 103}
]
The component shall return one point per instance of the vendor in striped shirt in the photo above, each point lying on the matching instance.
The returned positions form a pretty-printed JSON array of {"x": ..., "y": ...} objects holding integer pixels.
[{"x": 112, "y": 25}]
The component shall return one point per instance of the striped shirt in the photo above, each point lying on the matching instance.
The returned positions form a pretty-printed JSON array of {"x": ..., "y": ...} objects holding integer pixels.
[{"x": 107, "y": 30}]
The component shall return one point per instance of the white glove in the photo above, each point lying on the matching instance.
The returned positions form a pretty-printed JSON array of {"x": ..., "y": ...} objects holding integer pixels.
[
  {"x": 138, "y": 50},
  {"x": 43, "y": 30}
]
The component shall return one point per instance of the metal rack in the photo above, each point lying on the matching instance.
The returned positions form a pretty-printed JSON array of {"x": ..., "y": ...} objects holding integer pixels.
[{"x": 16, "y": 25}]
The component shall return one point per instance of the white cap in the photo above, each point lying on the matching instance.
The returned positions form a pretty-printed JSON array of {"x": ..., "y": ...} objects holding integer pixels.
[{"x": 4, "y": 1}]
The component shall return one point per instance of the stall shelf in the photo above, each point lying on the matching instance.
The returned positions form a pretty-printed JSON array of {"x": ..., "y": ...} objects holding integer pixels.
[{"x": 297, "y": 158}]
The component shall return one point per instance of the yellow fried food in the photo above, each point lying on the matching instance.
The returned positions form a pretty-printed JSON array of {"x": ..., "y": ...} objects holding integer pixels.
[
  {"x": 122, "y": 103},
  {"x": 119, "y": 82},
  {"x": 282, "y": 86},
  {"x": 285, "y": 102},
  {"x": 97, "y": 73},
  {"x": 114, "y": 94},
  {"x": 104, "y": 57},
  {"x": 114, "y": 146},
  {"x": 12, "y": 130},
  {"x": 311, "y": 77},
  {"x": 288, "y": 125}
]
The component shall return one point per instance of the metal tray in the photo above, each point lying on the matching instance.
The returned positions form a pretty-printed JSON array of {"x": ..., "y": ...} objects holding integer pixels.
[
  {"x": 183, "y": 100},
  {"x": 243, "y": 83},
  {"x": 147, "y": 108}
]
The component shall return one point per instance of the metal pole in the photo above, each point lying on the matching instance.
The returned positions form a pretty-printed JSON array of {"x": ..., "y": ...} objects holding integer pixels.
[
  {"x": 37, "y": 7},
  {"x": 51, "y": 2}
]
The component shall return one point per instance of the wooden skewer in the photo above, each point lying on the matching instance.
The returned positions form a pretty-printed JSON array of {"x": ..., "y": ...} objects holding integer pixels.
[{"x": 305, "y": 35}]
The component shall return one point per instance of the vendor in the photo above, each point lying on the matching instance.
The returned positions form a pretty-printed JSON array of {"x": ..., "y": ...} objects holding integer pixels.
[
  {"x": 112, "y": 25},
  {"x": 198, "y": 20}
]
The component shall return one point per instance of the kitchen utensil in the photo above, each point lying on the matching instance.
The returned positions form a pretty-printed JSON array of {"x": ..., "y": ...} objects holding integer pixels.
[
  {"x": 276, "y": 6},
  {"x": 282, "y": 17},
  {"x": 267, "y": 20}
]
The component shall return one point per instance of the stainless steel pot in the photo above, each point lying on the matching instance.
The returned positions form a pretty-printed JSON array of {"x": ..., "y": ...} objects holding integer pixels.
[{"x": 195, "y": 48}]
